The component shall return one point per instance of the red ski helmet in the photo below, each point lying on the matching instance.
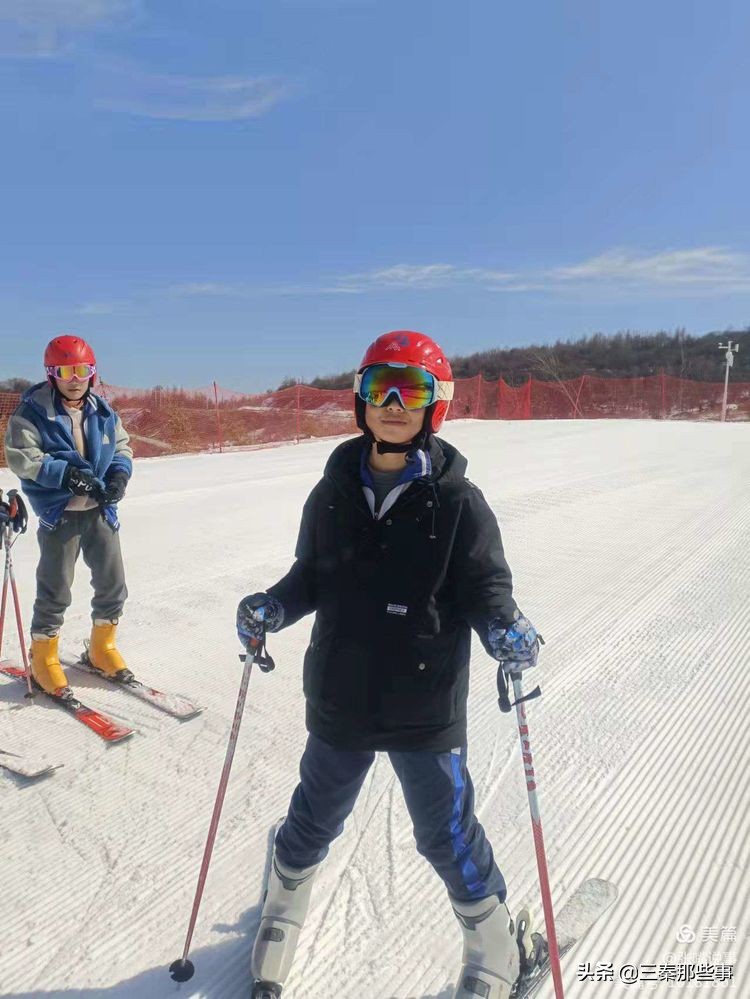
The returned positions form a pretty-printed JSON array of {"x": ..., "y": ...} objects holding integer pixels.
[
  {"x": 418, "y": 351},
  {"x": 69, "y": 349}
]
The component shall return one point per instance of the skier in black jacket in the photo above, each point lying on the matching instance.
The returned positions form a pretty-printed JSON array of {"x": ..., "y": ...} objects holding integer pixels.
[{"x": 400, "y": 556}]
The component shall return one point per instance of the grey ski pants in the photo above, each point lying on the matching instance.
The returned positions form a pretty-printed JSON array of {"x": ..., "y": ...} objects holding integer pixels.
[{"x": 79, "y": 531}]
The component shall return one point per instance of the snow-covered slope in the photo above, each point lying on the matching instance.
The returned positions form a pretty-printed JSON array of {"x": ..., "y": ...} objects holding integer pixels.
[{"x": 629, "y": 547}]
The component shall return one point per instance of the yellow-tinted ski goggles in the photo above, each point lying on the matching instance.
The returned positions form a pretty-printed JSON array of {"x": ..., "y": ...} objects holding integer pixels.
[{"x": 67, "y": 372}]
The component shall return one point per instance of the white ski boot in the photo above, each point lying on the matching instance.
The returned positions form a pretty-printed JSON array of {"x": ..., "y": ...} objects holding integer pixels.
[
  {"x": 497, "y": 949},
  {"x": 284, "y": 909}
]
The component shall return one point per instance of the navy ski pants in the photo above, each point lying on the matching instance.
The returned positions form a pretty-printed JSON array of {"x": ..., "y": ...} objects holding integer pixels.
[{"x": 439, "y": 796}]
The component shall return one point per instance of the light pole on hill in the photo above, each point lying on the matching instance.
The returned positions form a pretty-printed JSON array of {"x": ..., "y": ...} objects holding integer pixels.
[{"x": 730, "y": 352}]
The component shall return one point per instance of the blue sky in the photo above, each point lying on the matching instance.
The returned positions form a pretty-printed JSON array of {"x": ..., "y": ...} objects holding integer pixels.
[{"x": 249, "y": 189}]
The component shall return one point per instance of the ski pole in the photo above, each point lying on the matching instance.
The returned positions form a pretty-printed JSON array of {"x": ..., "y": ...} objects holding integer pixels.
[
  {"x": 4, "y": 522},
  {"x": 6, "y": 577},
  {"x": 14, "y": 520},
  {"x": 536, "y": 818},
  {"x": 182, "y": 970}
]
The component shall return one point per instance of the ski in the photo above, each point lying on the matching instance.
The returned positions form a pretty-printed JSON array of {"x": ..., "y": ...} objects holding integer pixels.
[
  {"x": 587, "y": 903},
  {"x": 263, "y": 989},
  {"x": 106, "y": 728},
  {"x": 25, "y": 766},
  {"x": 172, "y": 704}
]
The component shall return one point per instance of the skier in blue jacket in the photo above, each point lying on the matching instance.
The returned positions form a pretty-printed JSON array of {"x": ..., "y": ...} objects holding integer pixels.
[{"x": 72, "y": 454}]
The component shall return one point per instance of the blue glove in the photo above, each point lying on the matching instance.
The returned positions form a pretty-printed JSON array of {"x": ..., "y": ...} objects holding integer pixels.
[
  {"x": 515, "y": 646},
  {"x": 256, "y": 615}
]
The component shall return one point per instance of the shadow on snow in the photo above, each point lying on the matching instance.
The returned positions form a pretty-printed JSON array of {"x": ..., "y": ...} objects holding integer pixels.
[{"x": 222, "y": 971}]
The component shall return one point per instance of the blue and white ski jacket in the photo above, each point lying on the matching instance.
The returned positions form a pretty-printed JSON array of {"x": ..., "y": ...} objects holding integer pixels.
[
  {"x": 418, "y": 466},
  {"x": 39, "y": 446}
]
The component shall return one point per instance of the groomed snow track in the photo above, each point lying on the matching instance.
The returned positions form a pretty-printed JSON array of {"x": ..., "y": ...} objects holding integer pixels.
[{"x": 629, "y": 543}]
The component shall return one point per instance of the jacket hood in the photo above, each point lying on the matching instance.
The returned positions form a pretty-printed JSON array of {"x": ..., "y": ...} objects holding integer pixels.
[{"x": 448, "y": 464}]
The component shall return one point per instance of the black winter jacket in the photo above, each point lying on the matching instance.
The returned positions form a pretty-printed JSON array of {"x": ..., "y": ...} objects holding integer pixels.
[{"x": 387, "y": 667}]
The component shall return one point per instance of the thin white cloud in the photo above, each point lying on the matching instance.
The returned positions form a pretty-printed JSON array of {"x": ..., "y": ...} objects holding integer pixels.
[
  {"x": 700, "y": 271},
  {"x": 200, "y": 288},
  {"x": 418, "y": 276},
  {"x": 707, "y": 267},
  {"x": 44, "y": 28},
  {"x": 430, "y": 277},
  {"x": 129, "y": 90},
  {"x": 325, "y": 4}
]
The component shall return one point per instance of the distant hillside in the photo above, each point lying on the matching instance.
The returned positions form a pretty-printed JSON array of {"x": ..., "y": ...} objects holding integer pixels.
[
  {"x": 624, "y": 355},
  {"x": 15, "y": 385}
]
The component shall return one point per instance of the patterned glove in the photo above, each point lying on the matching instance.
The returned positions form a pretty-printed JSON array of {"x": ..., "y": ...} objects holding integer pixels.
[
  {"x": 256, "y": 615},
  {"x": 515, "y": 646},
  {"x": 82, "y": 482}
]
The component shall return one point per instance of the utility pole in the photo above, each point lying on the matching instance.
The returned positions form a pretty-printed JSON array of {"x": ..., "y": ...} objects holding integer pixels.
[{"x": 730, "y": 352}]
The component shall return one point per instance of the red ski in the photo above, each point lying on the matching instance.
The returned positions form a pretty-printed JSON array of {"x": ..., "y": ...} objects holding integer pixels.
[
  {"x": 106, "y": 728},
  {"x": 173, "y": 704}
]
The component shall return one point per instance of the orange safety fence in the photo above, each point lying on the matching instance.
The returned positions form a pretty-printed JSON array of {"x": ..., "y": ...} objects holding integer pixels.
[
  {"x": 8, "y": 402},
  {"x": 165, "y": 421},
  {"x": 176, "y": 421}
]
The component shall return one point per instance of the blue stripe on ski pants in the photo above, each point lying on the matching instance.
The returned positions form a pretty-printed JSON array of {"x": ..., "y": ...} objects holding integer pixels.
[{"x": 439, "y": 795}]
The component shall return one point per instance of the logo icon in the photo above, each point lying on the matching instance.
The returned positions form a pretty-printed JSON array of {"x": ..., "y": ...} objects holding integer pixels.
[
  {"x": 398, "y": 343},
  {"x": 686, "y": 934}
]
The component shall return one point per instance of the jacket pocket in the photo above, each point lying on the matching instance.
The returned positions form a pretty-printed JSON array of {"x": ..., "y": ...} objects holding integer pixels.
[
  {"x": 316, "y": 661},
  {"x": 423, "y": 685}
]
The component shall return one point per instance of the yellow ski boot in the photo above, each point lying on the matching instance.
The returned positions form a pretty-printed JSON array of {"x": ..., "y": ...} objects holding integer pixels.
[
  {"x": 45, "y": 664},
  {"x": 103, "y": 654}
]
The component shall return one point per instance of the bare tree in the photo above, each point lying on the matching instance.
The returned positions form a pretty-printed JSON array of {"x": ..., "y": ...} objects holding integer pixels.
[{"x": 546, "y": 362}]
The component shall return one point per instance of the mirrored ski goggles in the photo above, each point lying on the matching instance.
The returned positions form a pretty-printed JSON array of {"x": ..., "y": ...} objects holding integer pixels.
[
  {"x": 67, "y": 372},
  {"x": 414, "y": 388}
]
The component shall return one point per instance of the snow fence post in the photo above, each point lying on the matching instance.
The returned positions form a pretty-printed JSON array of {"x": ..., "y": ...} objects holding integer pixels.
[
  {"x": 298, "y": 410},
  {"x": 663, "y": 382},
  {"x": 218, "y": 419}
]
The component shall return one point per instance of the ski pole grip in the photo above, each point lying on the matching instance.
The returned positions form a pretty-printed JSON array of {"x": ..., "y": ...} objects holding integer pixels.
[
  {"x": 260, "y": 655},
  {"x": 502, "y": 690},
  {"x": 18, "y": 513}
]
